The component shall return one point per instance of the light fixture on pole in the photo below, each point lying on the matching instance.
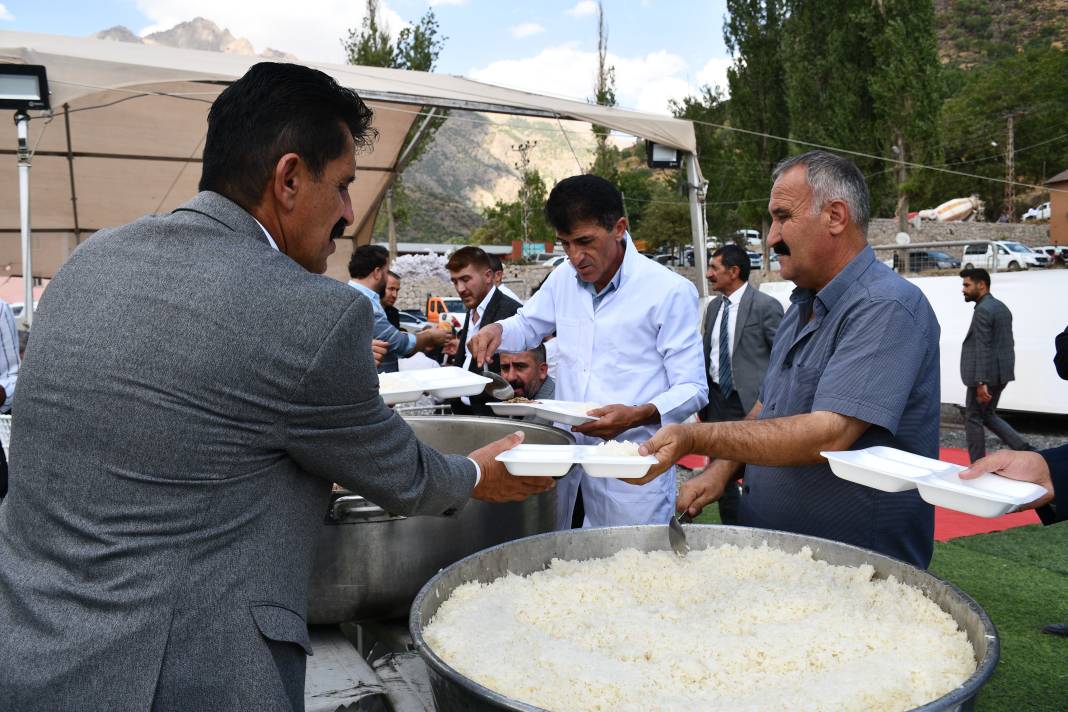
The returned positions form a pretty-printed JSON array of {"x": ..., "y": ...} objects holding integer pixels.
[{"x": 24, "y": 87}]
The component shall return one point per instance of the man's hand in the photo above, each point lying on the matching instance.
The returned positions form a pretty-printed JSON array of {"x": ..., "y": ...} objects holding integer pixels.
[
  {"x": 485, "y": 343},
  {"x": 982, "y": 394},
  {"x": 668, "y": 444},
  {"x": 379, "y": 349},
  {"x": 1016, "y": 465},
  {"x": 616, "y": 418},
  {"x": 496, "y": 484},
  {"x": 451, "y": 347},
  {"x": 428, "y": 339},
  {"x": 702, "y": 489}
]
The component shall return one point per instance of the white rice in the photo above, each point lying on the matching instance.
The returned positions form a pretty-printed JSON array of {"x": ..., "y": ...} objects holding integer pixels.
[
  {"x": 614, "y": 448},
  {"x": 725, "y": 628}
]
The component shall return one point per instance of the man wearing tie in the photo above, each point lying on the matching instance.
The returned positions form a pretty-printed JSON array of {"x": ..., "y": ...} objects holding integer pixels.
[
  {"x": 739, "y": 330},
  {"x": 471, "y": 271}
]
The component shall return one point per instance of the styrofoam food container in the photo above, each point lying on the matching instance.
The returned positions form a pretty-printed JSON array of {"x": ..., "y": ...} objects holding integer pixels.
[
  {"x": 398, "y": 389},
  {"x": 538, "y": 460},
  {"x": 596, "y": 465},
  {"x": 556, "y": 460},
  {"x": 451, "y": 382},
  {"x": 567, "y": 412},
  {"x": 988, "y": 495},
  {"x": 510, "y": 409},
  {"x": 889, "y": 474}
]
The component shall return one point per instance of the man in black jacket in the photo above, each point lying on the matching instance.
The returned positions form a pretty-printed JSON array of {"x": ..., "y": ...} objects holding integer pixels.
[
  {"x": 389, "y": 298},
  {"x": 472, "y": 275}
]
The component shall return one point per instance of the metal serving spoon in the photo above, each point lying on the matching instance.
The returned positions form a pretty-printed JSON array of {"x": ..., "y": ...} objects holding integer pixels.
[
  {"x": 676, "y": 534},
  {"x": 497, "y": 388}
]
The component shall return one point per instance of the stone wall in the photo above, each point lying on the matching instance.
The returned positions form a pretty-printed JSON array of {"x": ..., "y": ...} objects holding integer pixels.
[
  {"x": 523, "y": 279},
  {"x": 882, "y": 232}
]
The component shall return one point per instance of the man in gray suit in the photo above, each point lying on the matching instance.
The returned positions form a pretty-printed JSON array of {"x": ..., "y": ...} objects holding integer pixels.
[
  {"x": 987, "y": 360},
  {"x": 192, "y": 389},
  {"x": 739, "y": 330}
]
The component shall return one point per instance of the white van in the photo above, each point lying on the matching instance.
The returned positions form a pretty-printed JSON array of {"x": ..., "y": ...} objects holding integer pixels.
[{"x": 1012, "y": 256}]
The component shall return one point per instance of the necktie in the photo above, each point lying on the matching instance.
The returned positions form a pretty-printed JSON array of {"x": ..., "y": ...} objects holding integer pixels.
[{"x": 726, "y": 380}]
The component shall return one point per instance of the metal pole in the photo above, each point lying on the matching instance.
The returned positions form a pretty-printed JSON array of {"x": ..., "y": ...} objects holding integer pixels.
[
  {"x": 22, "y": 122},
  {"x": 697, "y": 189}
]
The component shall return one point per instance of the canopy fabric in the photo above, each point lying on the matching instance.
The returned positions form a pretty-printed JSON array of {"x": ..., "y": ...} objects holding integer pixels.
[{"x": 128, "y": 125}]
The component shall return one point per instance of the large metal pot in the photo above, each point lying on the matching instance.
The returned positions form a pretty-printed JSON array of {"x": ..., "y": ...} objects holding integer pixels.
[
  {"x": 456, "y": 693},
  {"x": 370, "y": 564}
]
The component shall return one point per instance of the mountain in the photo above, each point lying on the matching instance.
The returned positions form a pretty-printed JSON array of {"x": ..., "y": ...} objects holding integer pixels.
[
  {"x": 197, "y": 33},
  {"x": 973, "y": 32}
]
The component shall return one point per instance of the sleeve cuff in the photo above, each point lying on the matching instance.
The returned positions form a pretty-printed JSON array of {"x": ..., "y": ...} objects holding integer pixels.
[
  {"x": 411, "y": 343},
  {"x": 478, "y": 473}
]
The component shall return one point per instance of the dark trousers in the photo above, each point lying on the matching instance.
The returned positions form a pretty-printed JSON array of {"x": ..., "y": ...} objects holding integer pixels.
[
  {"x": 978, "y": 416},
  {"x": 722, "y": 408}
]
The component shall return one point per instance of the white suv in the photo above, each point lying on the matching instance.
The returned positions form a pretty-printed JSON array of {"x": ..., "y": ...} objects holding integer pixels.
[{"x": 1012, "y": 256}]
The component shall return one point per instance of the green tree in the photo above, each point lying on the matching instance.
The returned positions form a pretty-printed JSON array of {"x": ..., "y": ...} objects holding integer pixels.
[
  {"x": 665, "y": 222},
  {"x": 371, "y": 45},
  {"x": 504, "y": 219},
  {"x": 753, "y": 34}
]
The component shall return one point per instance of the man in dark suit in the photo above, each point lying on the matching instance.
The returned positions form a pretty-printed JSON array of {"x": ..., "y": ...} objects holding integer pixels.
[
  {"x": 389, "y": 299},
  {"x": 739, "y": 331},
  {"x": 987, "y": 360},
  {"x": 472, "y": 275},
  {"x": 155, "y": 552}
]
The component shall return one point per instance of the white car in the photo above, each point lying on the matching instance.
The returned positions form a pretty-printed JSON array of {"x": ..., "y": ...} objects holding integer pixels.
[
  {"x": 553, "y": 261},
  {"x": 1039, "y": 212},
  {"x": 1012, "y": 256}
]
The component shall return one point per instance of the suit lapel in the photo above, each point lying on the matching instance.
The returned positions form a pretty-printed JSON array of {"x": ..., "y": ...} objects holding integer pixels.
[{"x": 710, "y": 322}]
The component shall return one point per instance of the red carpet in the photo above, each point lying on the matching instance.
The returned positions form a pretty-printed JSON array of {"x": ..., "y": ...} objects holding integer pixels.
[{"x": 948, "y": 523}]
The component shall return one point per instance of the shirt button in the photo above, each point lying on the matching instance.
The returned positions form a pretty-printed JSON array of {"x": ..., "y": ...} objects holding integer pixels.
[{"x": 745, "y": 489}]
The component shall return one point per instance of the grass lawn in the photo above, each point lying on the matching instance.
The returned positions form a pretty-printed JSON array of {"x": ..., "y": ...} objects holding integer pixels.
[{"x": 1020, "y": 578}]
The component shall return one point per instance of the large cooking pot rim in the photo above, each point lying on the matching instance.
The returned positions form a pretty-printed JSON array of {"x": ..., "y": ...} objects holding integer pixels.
[{"x": 967, "y": 690}]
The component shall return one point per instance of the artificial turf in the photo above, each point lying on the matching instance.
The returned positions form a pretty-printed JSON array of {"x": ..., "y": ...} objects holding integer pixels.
[{"x": 1020, "y": 578}]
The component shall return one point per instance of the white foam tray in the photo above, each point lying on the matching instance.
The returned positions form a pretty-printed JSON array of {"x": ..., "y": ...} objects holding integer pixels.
[
  {"x": 446, "y": 382},
  {"x": 556, "y": 460},
  {"x": 557, "y": 411},
  {"x": 892, "y": 470}
]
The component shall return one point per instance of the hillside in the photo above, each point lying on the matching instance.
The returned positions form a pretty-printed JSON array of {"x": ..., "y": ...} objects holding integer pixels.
[
  {"x": 973, "y": 32},
  {"x": 197, "y": 33}
]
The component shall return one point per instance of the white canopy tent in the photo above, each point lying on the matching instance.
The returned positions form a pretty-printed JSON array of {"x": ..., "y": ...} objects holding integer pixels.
[{"x": 127, "y": 127}]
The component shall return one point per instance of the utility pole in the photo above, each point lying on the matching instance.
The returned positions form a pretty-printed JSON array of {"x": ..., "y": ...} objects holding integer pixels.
[
  {"x": 523, "y": 165},
  {"x": 1010, "y": 169}
]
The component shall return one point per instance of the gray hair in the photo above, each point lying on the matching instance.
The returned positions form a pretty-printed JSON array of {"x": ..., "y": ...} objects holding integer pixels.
[{"x": 832, "y": 177}]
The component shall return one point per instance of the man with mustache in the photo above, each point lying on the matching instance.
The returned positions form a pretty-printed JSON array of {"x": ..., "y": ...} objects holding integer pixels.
[
  {"x": 369, "y": 269},
  {"x": 155, "y": 553},
  {"x": 627, "y": 334},
  {"x": 855, "y": 364},
  {"x": 528, "y": 373}
]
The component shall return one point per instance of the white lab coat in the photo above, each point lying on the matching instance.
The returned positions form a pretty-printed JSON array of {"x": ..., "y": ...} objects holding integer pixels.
[{"x": 640, "y": 346}]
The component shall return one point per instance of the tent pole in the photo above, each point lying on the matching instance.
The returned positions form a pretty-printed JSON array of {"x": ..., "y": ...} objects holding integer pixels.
[
  {"x": 70, "y": 167},
  {"x": 697, "y": 189},
  {"x": 22, "y": 121}
]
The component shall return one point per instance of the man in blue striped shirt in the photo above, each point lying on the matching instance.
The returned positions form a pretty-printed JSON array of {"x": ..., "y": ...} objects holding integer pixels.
[
  {"x": 9, "y": 371},
  {"x": 855, "y": 364}
]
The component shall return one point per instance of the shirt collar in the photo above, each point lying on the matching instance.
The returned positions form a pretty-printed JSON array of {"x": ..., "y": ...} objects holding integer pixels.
[
  {"x": 367, "y": 291},
  {"x": 481, "y": 308},
  {"x": 833, "y": 290},
  {"x": 736, "y": 296},
  {"x": 270, "y": 240}
]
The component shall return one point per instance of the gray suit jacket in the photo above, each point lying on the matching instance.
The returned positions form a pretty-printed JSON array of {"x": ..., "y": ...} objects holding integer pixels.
[
  {"x": 187, "y": 399},
  {"x": 988, "y": 353},
  {"x": 754, "y": 334}
]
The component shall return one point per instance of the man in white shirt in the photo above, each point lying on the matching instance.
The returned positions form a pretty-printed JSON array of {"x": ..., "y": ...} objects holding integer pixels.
[
  {"x": 498, "y": 277},
  {"x": 471, "y": 271},
  {"x": 627, "y": 334},
  {"x": 739, "y": 332}
]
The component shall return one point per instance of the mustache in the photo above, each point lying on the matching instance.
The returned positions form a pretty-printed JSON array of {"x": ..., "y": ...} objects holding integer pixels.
[
  {"x": 781, "y": 248},
  {"x": 338, "y": 229}
]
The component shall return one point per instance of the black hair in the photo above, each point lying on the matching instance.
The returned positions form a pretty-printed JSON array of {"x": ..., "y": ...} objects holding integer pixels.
[
  {"x": 469, "y": 255},
  {"x": 582, "y": 199},
  {"x": 275, "y": 109},
  {"x": 734, "y": 256},
  {"x": 495, "y": 262},
  {"x": 976, "y": 274},
  {"x": 366, "y": 259}
]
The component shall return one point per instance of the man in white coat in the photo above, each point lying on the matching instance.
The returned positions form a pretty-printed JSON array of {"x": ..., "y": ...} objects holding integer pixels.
[{"x": 627, "y": 334}]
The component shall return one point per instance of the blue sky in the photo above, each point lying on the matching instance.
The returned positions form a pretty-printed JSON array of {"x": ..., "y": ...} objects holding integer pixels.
[{"x": 661, "y": 49}]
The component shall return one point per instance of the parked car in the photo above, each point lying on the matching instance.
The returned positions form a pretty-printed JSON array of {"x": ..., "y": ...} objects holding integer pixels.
[
  {"x": 921, "y": 260},
  {"x": 665, "y": 259},
  {"x": 1056, "y": 253},
  {"x": 413, "y": 324},
  {"x": 553, "y": 261},
  {"x": 18, "y": 307},
  {"x": 1012, "y": 256},
  {"x": 452, "y": 308},
  {"x": 756, "y": 261},
  {"x": 1039, "y": 212}
]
